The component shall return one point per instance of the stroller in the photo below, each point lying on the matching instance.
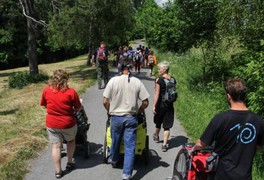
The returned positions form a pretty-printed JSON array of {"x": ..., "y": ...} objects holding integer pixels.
[
  {"x": 82, "y": 128},
  {"x": 191, "y": 166},
  {"x": 81, "y": 136},
  {"x": 142, "y": 140}
]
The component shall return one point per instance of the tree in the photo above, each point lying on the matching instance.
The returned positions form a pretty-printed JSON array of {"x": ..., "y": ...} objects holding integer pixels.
[
  {"x": 12, "y": 35},
  {"x": 85, "y": 23},
  {"x": 28, "y": 11}
]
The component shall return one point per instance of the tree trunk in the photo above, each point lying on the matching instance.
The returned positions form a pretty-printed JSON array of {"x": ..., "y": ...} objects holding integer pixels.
[
  {"x": 90, "y": 45},
  {"x": 32, "y": 44},
  {"x": 204, "y": 65}
]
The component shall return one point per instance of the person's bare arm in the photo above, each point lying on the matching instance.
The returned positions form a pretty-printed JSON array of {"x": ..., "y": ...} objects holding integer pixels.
[
  {"x": 143, "y": 106},
  {"x": 106, "y": 104},
  {"x": 156, "y": 96},
  {"x": 199, "y": 145}
]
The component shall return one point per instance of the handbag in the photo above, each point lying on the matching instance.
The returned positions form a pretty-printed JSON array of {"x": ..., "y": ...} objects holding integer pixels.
[{"x": 213, "y": 159}]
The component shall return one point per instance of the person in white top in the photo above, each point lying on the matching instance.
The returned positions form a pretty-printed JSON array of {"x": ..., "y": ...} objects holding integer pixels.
[{"x": 121, "y": 97}]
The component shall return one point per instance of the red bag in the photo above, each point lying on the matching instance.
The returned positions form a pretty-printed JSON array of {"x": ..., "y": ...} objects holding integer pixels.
[{"x": 101, "y": 54}]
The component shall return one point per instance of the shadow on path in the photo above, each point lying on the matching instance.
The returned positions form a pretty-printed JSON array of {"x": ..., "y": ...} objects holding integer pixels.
[
  {"x": 176, "y": 141},
  {"x": 95, "y": 156},
  {"x": 154, "y": 162}
]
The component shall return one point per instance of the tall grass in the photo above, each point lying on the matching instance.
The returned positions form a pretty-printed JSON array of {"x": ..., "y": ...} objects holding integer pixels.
[
  {"x": 198, "y": 103},
  {"x": 22, "y": 125}
]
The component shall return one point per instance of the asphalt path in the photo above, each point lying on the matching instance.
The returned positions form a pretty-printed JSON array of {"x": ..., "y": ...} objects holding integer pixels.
[{"x": 160, "y": 164}]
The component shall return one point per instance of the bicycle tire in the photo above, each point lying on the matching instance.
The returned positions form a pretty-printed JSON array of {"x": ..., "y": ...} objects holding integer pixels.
[{"x": 181, "y": 164}]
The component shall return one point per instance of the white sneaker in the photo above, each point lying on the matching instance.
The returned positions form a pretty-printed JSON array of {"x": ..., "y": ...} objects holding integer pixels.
[{"x": 126, "y": 177}]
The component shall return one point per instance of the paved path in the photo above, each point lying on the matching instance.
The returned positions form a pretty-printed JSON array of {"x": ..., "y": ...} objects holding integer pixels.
[{"x": 160, "y": 163}]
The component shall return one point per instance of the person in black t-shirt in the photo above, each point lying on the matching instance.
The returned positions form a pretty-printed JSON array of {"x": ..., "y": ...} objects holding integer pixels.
[{"x": 237, "y": 133}]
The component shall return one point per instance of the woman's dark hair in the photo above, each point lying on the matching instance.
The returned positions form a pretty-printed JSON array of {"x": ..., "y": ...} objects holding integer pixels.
[
  {"x": 126, "y": 64},
  {"x": 236, "y": 88}
]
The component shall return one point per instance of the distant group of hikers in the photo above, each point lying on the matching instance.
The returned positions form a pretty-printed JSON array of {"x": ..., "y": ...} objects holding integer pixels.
[
  {"x": 141, "y": 57},
  {"x": 237, "y": 132}
]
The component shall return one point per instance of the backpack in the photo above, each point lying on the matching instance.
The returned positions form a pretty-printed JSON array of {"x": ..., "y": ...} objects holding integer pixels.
[
  {"x": 170, "y": 94},
  {"x": 130, "y": 56},
  {"x": 138, "y": 56},
  {"x": 151, "y": 60},
  {"x": 101, "y": 54}
]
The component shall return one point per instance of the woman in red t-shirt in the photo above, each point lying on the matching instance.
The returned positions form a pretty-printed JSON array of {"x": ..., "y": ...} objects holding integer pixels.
[{"x": 61, "y": 102}]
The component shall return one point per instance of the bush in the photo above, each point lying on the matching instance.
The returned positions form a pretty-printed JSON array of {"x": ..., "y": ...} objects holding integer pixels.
[{"x": 22, "y": 79}]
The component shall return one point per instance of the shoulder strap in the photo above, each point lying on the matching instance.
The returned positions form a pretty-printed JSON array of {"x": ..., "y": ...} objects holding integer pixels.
[
  {"x": 166, "y": 80},
  {"x": 172, "y": 79}
]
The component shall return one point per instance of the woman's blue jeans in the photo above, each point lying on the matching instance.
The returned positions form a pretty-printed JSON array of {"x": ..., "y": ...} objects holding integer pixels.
[{"x": 126, "y": 127}]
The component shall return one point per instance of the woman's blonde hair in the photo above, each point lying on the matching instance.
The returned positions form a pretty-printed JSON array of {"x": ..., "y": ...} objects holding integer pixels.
[
  {"x": 164, "y": 65},
  {"x": 59, "y": 80}
]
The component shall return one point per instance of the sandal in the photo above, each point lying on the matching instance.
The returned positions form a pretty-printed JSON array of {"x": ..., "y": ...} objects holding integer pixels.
[
  {"x": 155, "y": 138},
  {"x": 70, "y": 166},
  {"x": 58, "y": 175},
  {"x": 165, "y": 147}
]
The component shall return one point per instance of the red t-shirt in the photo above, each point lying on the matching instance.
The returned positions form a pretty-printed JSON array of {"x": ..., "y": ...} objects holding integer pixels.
[{"x": 60, "y": 107}]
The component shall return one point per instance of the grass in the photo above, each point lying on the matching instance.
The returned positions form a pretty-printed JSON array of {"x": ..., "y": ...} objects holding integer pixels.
[{"x": 22, "y": 125}]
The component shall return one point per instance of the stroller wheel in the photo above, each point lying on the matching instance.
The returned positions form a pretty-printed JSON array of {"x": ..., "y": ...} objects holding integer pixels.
[
  {"x": 106, "y": 152},
  {"x": 181, "y": 164},
  {"x": 145, "y": 152},
  {"x": 86, "y": 149}
]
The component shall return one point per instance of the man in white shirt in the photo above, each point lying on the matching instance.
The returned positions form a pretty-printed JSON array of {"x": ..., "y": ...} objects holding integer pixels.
[{"x": 121, "y": 97}]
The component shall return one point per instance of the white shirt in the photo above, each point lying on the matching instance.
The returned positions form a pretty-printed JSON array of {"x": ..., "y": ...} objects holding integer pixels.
[{"x": 123, "y": 94}]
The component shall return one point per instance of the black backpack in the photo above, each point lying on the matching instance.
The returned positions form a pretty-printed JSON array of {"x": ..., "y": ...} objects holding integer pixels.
[{"x": 170, "y": 94}]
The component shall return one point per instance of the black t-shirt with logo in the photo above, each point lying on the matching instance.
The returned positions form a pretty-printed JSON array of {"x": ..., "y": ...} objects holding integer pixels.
[{"x": 236, "y": 135}]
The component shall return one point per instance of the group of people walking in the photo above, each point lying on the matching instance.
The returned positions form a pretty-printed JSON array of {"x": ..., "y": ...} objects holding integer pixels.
[
  {"x": 120, "y": 100},
  {"x": 140, "y": 57}
]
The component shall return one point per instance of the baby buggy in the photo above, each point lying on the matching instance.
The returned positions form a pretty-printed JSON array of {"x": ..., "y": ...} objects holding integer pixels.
[
  {"x": 191, "y": 165},
  {"x": 82, "y": 128},
  {"x": 81, "y": 136},
  {"x": 142, "y": 140}
]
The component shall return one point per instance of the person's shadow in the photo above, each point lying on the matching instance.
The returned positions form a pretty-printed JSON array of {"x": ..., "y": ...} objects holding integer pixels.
[
  {"x": 95, "y": 157},
  {"x": 176, "y": 141},
  {"x": 81, "y": 161},
  {"x": 154, "y": 162},
  {"x": 155, "y": 159}
]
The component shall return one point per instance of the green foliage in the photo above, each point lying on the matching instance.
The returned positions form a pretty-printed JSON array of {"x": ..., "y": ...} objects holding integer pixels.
[
  {"x": 258, "y": 165},
  {"x": 254, "y": 76},
  {"x": 12, "y": 35},
  {"x": 198, "y": 21},
  {"x": 147, "y": 19},
  {"x": 87, "y": 22},
  {"x": 179, "y": 25},
  {"x": 22, "y": 79},
  {"x": 243, "y": 20}
]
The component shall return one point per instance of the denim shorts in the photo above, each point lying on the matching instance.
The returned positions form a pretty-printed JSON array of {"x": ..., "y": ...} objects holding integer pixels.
[{"x": 60, "y": 135}]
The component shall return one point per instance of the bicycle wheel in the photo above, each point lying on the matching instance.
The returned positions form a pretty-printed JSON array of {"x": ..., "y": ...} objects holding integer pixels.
[{"x": 181, "y": 164}]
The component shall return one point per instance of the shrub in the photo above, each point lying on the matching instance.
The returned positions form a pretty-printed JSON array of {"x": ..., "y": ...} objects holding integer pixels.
[{"x": 22, "y": 79}]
